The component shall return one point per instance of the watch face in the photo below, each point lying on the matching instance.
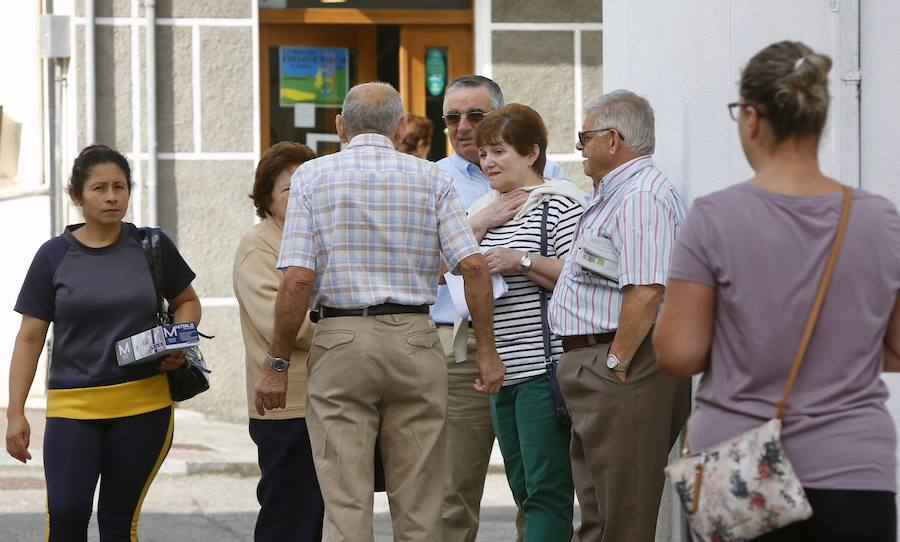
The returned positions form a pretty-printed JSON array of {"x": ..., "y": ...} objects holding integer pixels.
[
  {"x": 279, "y": 365},
  {"x": 611, "y": 362}
]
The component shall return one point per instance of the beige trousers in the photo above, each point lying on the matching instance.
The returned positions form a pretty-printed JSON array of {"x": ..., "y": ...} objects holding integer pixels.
[
  {"x": 470, "y": 440},
  {"x": 384, "y": 378},
  {"x": 621, "y": 438}
]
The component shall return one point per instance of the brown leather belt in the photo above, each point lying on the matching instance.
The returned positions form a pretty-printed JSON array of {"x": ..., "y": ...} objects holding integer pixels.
[{"x": 572, "y": 342}]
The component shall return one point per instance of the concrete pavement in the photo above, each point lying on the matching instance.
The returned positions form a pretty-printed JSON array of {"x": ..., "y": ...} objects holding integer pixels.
[{"x": 205, "y": 491}]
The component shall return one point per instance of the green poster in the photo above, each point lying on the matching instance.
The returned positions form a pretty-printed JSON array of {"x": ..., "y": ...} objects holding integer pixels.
[
  {"x": 435, "y": 71},
  {"x": 316, "y": 75}
]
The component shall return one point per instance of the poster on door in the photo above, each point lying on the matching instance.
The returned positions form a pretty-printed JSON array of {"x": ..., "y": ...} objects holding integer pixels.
[{"x": 314, "y": 75}]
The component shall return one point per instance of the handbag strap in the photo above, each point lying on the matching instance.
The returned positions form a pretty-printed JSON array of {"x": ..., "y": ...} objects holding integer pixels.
[
  {"x": 819, "y": 300},
  {"x": 150, "y": 244},
  {"x": 559, "y": 402},
  {"x": 545, "y": 324}
]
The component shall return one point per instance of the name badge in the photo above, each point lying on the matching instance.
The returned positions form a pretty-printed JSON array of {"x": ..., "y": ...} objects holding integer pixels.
[{"x": 598, "y": 255}]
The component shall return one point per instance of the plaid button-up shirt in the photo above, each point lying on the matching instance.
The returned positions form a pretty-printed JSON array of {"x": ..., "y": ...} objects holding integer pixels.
[
  {"x": 373, "y": 223},
  {"x": 638, "y": 209}
]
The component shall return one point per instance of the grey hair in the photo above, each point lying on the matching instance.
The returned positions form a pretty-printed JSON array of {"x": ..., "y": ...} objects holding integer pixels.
[
  {"x": 630, "y": 114},
  {"x": 372, "y": 108},
  {"x": 476, "y": 81}
]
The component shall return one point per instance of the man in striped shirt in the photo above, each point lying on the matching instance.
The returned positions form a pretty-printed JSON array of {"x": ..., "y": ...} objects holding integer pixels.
[
  {"x": 363, "y": 239},
  {"x": 470, "y": 433},
  {"x": 626, "y": 413}
]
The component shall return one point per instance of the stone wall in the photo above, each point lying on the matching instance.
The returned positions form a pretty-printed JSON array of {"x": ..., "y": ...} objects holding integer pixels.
[
  {"x": 541, "y": 50},
  {"x": 206, "y": 144}
]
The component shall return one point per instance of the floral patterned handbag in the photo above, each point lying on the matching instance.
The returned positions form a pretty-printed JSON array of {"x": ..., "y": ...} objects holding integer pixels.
[{"x": 746, "y": 487}]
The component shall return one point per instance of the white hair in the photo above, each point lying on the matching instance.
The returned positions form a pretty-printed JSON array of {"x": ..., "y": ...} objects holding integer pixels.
[
  {"x": 630, "y": 114},
  {"x": 372, "y": 107}
]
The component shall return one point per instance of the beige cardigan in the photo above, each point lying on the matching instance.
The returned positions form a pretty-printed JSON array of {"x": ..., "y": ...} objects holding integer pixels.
[{"x": 255, "y": 281}]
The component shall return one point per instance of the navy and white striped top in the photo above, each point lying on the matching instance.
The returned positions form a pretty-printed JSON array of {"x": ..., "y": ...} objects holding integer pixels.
[
  {"x": 518, "y": 327},
  {"x": 470, "y": 184}
]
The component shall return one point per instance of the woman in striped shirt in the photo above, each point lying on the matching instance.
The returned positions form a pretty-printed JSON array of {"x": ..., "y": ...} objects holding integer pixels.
[{"x": 512, "y": 143}]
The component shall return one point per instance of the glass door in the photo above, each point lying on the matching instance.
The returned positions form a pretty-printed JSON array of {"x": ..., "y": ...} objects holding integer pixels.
[
  {"x": 307, "y": 70},
  {"x": 430, "y": 57}
]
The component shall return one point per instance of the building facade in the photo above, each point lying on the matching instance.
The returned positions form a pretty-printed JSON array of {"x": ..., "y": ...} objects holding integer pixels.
[{"x": 195, "y": 125}]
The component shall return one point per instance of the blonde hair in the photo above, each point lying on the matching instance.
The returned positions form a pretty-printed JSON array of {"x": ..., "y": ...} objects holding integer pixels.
[{"x": 788, "y": 83}]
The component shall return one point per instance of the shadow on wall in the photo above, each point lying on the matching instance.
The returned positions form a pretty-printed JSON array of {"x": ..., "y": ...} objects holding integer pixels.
[{"x": 167, "y": 201}]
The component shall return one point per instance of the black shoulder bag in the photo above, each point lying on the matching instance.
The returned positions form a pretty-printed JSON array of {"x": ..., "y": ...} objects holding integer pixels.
[
  {"x": 190, "y": 379},
  {"x": 559, "y": 403}
]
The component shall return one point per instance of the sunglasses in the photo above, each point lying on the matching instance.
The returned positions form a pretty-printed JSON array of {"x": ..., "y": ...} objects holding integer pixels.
[
  {"x": 582, "y": 140},
  {"x": 474, "y": 117}
]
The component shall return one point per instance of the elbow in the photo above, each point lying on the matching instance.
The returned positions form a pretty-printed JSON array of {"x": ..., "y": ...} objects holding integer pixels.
[
  {"x": 474, "y": 266},
  {"x": 675, "y": 366},
  {"x": 299, "y": 281},
  {"x": 677, "y": 359}
]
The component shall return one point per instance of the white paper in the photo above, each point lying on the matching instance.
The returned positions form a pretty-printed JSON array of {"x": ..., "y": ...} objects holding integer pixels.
[
  {"x": 598, "y": 255},
  {"x": 304, "y": 115},
  {"x": 458, "y": 293}
]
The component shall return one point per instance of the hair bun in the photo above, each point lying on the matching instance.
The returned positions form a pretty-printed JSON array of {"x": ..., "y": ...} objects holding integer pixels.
[{"x": 790, "y": 81}]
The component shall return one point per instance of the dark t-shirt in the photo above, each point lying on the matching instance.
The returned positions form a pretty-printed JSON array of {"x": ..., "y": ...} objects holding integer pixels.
[
  {"x": 764, "y": 253},
  {"x": 95, "y": 296}
]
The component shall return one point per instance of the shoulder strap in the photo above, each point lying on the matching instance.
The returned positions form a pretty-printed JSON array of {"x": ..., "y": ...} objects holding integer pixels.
[
  {"x": 150, "y": 243},
  {"x": 545, "y": 324},
  {"x": 818, "y": 301}
]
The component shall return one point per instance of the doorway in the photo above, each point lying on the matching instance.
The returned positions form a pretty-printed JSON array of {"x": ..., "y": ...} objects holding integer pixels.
[{"x": 309, "y": 58}]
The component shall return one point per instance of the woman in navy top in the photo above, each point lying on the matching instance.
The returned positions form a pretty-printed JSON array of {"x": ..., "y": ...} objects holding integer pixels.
[{"x": 103, "y": 421}]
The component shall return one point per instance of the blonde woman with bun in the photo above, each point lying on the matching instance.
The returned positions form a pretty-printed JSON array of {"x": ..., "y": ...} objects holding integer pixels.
[{"x": 744, "y": 273}]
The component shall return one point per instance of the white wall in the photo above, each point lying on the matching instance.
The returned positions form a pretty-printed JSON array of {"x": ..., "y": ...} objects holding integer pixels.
[
  {"x": 20, "y": 82},
  {"x": 686, "y": 57},
  {"x": 880, "y": 67},
  {"x": 25, "y": 223}
]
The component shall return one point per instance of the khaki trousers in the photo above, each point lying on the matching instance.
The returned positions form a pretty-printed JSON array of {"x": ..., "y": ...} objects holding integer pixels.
[
  {"x": 470, "y": 440},
  {"x": 384, "y": 378},
  {"x": 621, "y": 438}
]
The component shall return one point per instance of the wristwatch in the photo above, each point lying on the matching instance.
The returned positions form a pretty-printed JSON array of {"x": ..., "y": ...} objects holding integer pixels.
[
  {"x": 525, "y": 263},
  {"x": 615, "y": 364},
  {"x": 279, "y": 364}
]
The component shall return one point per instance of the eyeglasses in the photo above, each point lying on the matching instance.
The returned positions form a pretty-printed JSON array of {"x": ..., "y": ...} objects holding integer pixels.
[
  {"x": 734, "y": 109},
  {"x": 474, "y": 117},
  {"x": 582, "y": 140}
]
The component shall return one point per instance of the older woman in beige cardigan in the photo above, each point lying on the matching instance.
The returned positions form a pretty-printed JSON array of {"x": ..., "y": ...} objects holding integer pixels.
[{"x": 291, "y": 506}]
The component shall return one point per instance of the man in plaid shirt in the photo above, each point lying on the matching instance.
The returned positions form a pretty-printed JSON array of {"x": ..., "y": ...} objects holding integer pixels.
[{"x": 364, "y": 235}]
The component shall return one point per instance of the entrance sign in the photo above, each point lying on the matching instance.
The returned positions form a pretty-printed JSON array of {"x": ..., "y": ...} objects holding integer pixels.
[
  {"x": 435, "y": 70},
  {"x": 314, "y": 75}
]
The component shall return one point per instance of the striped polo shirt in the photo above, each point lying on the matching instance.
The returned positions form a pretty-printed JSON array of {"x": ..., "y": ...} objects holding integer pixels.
[{"x": 637, "y": 208}]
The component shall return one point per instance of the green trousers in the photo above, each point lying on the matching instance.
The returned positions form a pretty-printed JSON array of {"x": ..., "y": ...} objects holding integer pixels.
[{"x": 536, "y": 455}]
